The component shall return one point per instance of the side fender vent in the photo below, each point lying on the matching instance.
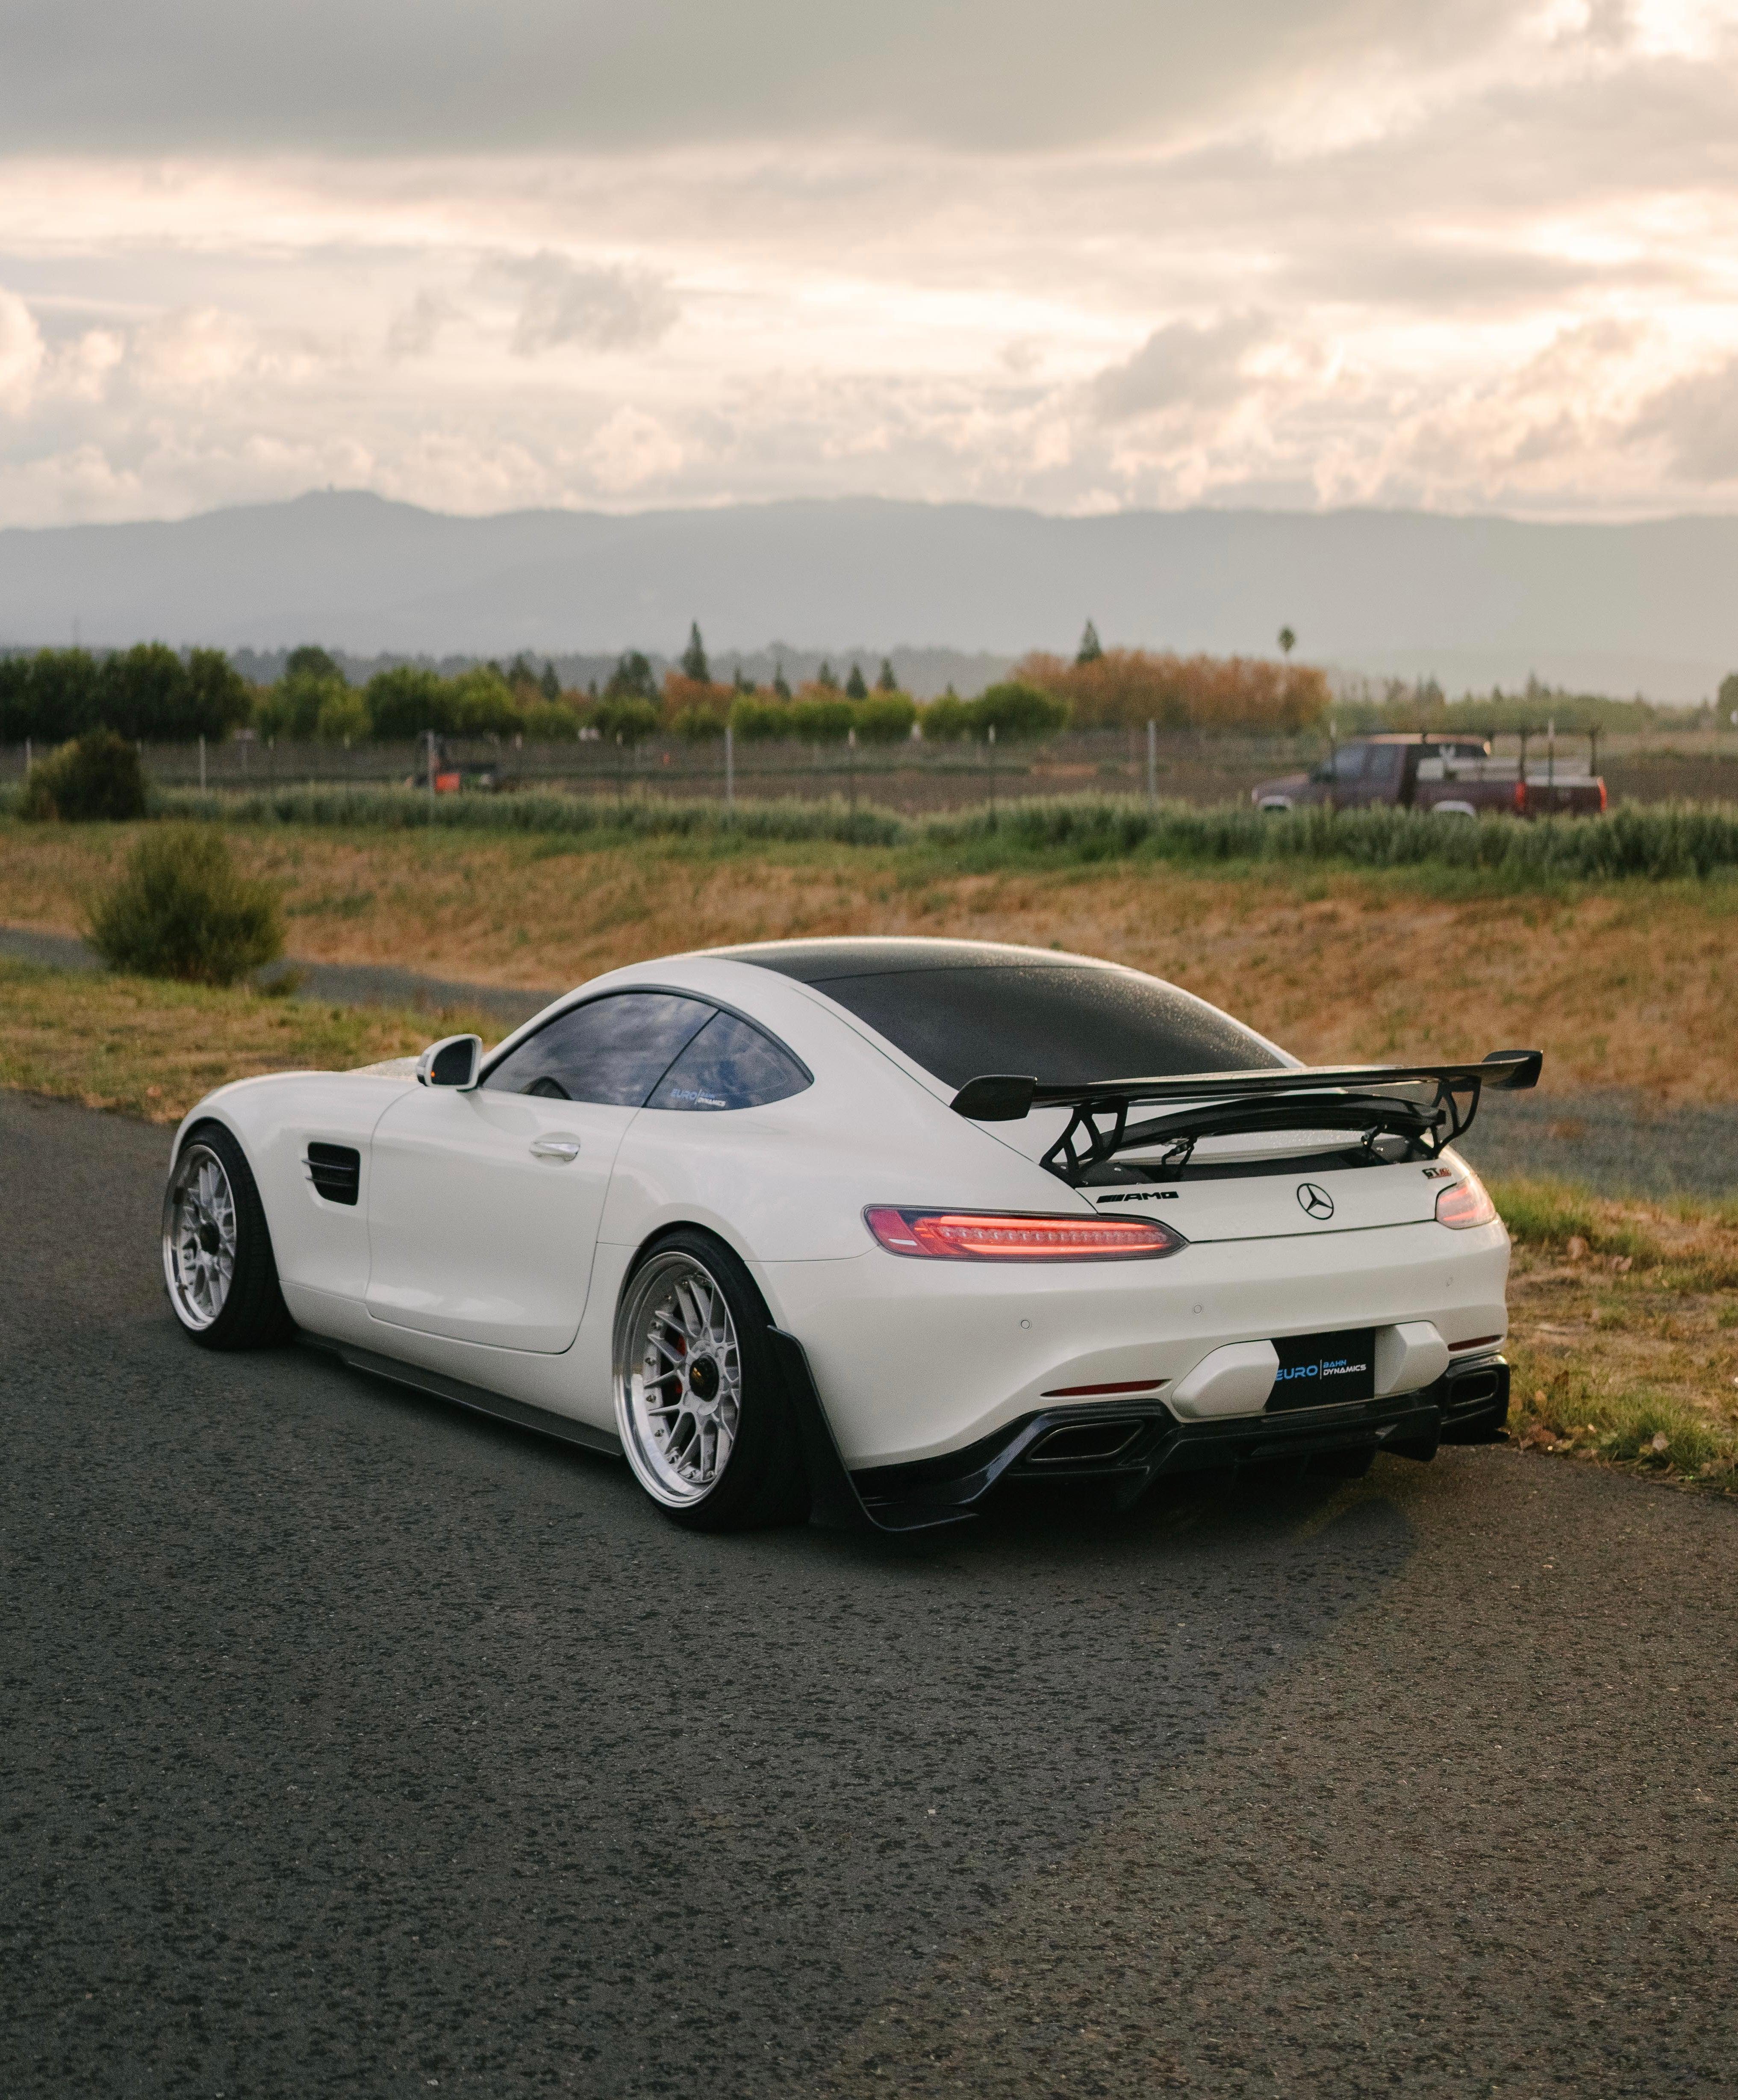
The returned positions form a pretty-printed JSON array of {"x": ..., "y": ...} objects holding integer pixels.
[{"x": 335, "y": 1171}]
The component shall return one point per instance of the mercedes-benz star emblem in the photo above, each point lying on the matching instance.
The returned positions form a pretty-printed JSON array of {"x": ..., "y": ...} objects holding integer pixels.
[{"x": 1315, "y": 1199}]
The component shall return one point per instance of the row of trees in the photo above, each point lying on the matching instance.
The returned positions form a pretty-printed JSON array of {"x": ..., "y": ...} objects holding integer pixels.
[
  {"x": 152, "y": 694},
  {"x": 149, "y": 692},
  {"x": 1124, "y": 688}
]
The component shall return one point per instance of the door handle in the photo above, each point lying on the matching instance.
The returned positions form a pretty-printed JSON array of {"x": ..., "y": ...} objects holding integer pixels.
[{"x": 555, "y": 1147}]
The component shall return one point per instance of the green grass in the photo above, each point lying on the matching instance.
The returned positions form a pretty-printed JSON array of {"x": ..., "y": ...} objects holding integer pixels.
[{"x": 1693, "y": 842}]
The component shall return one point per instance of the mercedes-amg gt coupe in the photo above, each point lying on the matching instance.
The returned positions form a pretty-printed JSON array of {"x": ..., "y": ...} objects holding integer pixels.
[{"x": 864, "y": 1230}]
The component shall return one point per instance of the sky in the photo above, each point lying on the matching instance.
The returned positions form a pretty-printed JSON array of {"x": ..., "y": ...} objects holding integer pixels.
[{"x": 1472, "y": 256}]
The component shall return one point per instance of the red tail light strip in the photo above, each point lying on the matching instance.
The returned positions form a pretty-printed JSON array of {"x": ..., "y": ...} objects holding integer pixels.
[
  {"x": 1478, "y": 1342},
  {"x": 1124, "y": 1385},
  {"x": 998, "y": 1236}
]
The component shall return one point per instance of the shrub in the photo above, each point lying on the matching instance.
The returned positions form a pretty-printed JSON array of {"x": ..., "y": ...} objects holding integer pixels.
[
  {"x": 947, "y": 719},
  {"x": 181, "y": 911},
  {"x": 624, "y": 719},
  {"x": 1017, "y": 711},
  {"x": 550, "y": 721},
  {"x": 757, "y": 720},
  {"x": 884, "y": 717},
  {"x": 99, "y": 778},
  {"x": 817, "y": 717},
  {"x": 696, "y": 709}
]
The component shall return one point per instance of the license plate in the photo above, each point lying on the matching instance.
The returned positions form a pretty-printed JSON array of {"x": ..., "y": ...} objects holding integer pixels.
[{"x": 1320, "y": 1370}]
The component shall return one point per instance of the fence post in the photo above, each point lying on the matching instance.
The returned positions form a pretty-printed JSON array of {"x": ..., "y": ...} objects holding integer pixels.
[
  {"x": 429, "y": 735},
  {"x": 201, "y": 763},
  {"x": 990, "y": 739},
  {"x": 730, "y": 768},
  {"x": 1152, "y": 765},
  {"x": 850, "y": 767}
]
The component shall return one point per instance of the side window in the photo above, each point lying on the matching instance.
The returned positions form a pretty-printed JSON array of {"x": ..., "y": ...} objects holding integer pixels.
[
  {"x": 1348, "y": 761},
  {"x": 614, "y": 1049},
  {"x": 730, "y": 1066}
]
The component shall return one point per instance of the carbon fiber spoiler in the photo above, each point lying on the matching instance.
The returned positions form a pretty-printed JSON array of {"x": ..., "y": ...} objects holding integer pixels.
[{"x": 1351, "y": 1097}]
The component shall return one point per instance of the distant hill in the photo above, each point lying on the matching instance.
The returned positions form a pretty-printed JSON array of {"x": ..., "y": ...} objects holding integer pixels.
[{"x": 1617, "y": 608}]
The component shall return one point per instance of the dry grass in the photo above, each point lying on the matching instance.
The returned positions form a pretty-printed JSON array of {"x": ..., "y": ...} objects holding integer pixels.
[
  {"x": 152, "y": 1048},
  {"x": 1627, "y": 986},
  {"x": 1625, "y": 1331}
]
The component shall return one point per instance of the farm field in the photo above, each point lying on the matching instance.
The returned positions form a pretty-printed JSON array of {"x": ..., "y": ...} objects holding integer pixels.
[{"x": 1622, "y": 984}]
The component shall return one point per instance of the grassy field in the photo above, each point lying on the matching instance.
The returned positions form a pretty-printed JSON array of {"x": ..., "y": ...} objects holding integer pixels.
[{"x": 1619, "y": 984}]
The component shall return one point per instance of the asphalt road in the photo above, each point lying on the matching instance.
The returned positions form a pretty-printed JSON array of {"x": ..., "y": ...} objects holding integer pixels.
[{"x": 352, "y": 1744}]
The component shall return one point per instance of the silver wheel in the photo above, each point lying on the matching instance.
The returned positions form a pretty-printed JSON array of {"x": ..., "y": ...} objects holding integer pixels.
[
  {"x": 199, "y": 1236},
  {"x": 678, "y": 1378}
]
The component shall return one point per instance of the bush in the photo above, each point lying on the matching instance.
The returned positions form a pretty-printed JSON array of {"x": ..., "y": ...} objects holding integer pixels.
[
  {"x": 343, "y": 717},
  {"x": 816, "y": 718},
  {"x": 181, "y": 911},
  {"x": 408, "y": 699},
  {"x": 1018, "y": 712},
  {"x": 99, "y": 780},
  {"x": 624, "y": 719},
  {"x": 884, "y": 717},
  {"x": 757, "y": 720},
  {"x": 946, "y": 721}
]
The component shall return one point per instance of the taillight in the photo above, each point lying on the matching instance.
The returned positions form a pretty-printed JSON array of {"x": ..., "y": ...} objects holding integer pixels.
[
  {"x": 1464, "y": 1203},
  {"x": 1002, "y": 1236},
  {"x": 1520, "y": 798},
  {"x": 1602, "y": 798}
]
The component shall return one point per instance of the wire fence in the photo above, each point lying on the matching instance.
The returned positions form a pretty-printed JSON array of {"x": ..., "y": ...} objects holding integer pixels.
[{"x": 913, "y": 778}]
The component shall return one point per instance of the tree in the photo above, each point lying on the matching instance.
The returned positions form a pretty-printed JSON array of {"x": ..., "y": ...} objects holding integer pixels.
[
  {"x": 218, "y": 697},
  {"x": 1287, "y": 640},
  {"x": 483, "y": 704},
  {"x": 1729, "y": 695},
  {"x": 1090, "y": 647},
  {"x": 312, "y": 659},
  {"x": 694, "y": 664},
  {"x": 946, "y": 720},
  {"x": 406, "y": 700},
  {"x": 820, "y": 717},
  {"x": 14, "y": 700},
  {"x": 632, "y": 680},
  {"x": 887, "y": 682},
  {"x": 781, "y": 684},
  {"x": 855, "y": 688},
  {"x": 740, "y": 682},
  {"x": 625, "y": 718},
  {"x": 343, "y": 716},
  {"x": 756, "y": 721},
  {"x": 549, "y": 684},
  {"x": 824, "y": 677},
  {"x": 64, "y": 697},
  {"x": 143, "y": 693}
]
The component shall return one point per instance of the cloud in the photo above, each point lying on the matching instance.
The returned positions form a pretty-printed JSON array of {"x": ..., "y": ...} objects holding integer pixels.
[
  {"x": 1179, "y": 366},
  {"x": 463, "y": 76},
  {"x": 21, "y": 353},
  {"x": 632, "y": 449},
  {"x": 415, "y": 329},
  {"x": 1695, "y": 421},
  {"x": 598, "y": 308}
]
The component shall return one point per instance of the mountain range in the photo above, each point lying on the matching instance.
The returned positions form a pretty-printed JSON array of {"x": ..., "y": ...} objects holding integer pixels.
[{"x": 1650, "y": 607}]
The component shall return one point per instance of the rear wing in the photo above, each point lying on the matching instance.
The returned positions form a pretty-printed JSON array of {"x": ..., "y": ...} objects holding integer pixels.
[{"x": 1369, "y": 1099}]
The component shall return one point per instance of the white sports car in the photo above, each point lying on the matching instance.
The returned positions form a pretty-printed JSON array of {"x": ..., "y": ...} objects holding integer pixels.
[{"x": 864, "y": 1229}]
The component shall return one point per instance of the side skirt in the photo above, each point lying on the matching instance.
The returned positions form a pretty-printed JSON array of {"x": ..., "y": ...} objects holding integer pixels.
[{"x": 542, "y": 1420}]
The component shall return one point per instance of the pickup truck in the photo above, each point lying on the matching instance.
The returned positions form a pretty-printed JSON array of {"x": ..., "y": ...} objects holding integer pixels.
[{"x": 1451, "y": 776}]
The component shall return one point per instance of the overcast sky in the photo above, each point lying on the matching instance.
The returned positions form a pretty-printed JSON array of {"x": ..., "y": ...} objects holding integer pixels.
[{"x": 1469, "y": 255}]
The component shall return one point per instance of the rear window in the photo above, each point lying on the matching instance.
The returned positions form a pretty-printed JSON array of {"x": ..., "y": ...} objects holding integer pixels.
[{"x": 1065, "y": 1024}]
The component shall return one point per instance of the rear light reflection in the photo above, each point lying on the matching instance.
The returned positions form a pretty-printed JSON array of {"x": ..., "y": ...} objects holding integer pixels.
[
  {"x": 995, "y": 1236},
  {"x": 1465, "y": 1203}
]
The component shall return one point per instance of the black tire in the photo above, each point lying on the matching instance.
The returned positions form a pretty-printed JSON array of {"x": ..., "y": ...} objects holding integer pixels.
[
  {"x": 251, "y": 1314},
  {"x": 762, "y": 1481}
]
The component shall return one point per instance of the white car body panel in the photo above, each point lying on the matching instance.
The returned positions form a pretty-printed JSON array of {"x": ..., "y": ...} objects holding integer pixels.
[{"x": 466, "y": 1256}]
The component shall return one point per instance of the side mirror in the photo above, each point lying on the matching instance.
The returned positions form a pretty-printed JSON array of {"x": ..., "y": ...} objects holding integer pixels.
[{"x": 453, "y": 1061}]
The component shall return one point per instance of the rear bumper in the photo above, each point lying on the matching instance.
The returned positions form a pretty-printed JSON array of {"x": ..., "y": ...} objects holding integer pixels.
[{"x": 1127, "y": 1448}]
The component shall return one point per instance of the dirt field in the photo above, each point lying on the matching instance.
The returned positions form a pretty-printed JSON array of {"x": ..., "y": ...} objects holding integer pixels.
[{"x": 1631, "y": 985}]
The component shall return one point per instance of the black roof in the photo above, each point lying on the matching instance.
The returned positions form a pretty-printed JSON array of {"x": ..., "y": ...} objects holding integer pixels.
[{"x": 815, "y": 962}]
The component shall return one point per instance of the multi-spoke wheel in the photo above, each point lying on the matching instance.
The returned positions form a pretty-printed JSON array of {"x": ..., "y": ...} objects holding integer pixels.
[
  {"x": 699, "y": 1403},
  {"x": 218, "y": 1263}
]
